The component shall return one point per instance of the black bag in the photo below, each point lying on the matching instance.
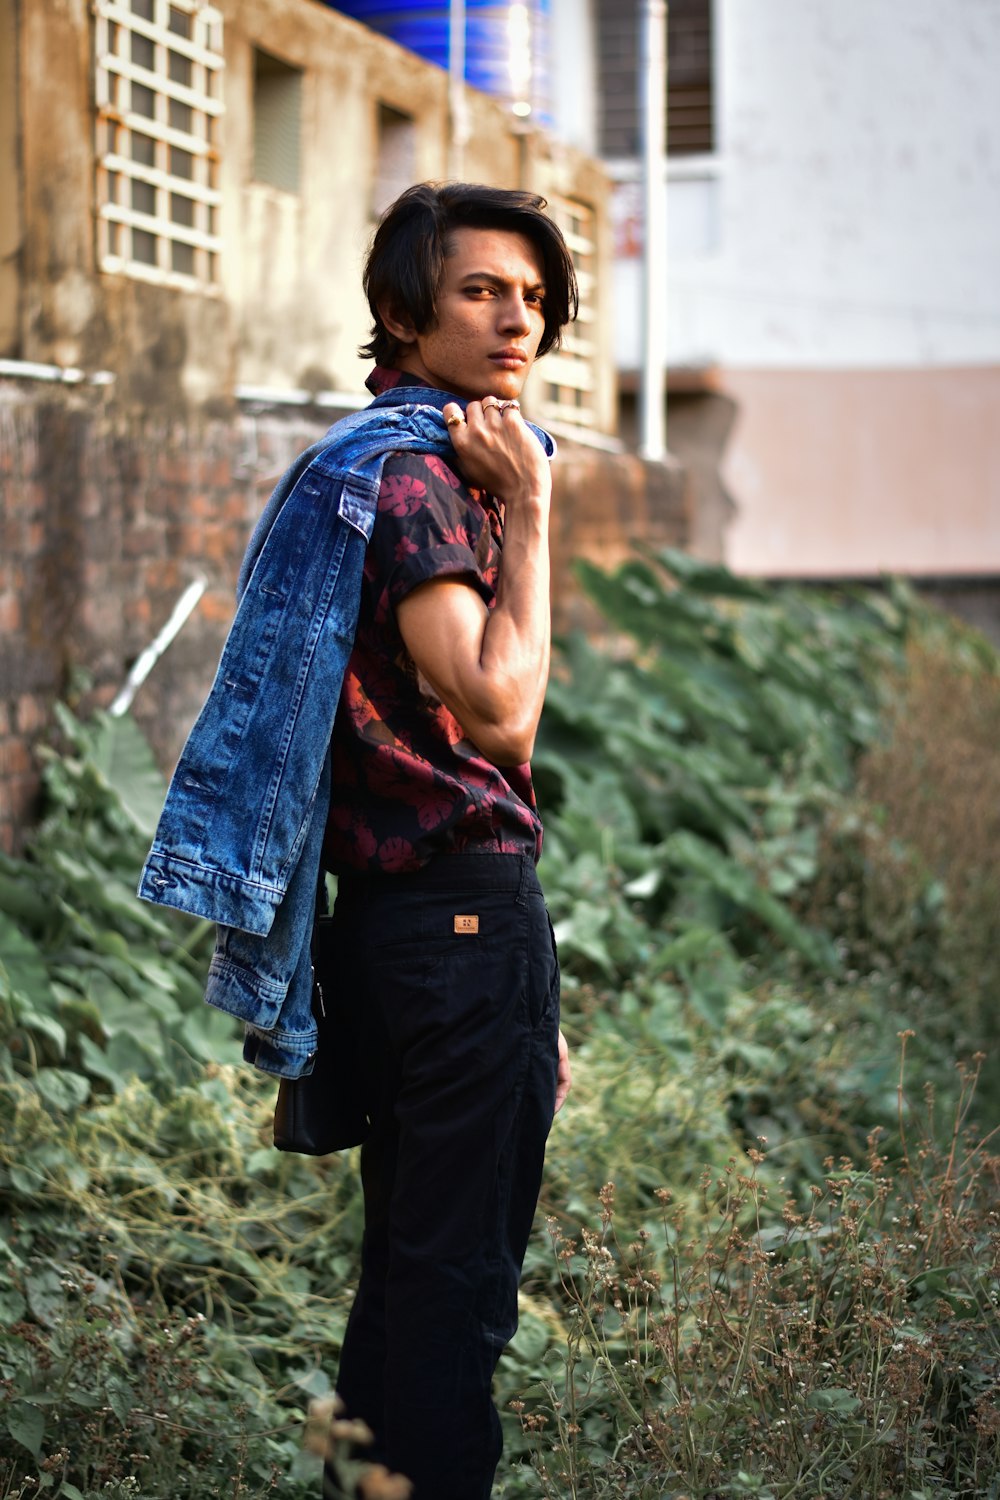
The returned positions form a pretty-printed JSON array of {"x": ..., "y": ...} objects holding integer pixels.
[{"x": 324, "y": 1111}]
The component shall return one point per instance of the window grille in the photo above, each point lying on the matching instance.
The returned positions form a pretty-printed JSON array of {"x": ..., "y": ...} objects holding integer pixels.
[
  {"x": 395, "y": 157},
  {"x": 690, "y": 84},
  {"x": 569, "y": 372},
  {"x": 277, "y": 110},
  {"x": 159, "y": 103}
]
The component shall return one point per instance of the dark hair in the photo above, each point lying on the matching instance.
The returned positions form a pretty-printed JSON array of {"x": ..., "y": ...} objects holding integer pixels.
[{"x": 405, "y": 264}]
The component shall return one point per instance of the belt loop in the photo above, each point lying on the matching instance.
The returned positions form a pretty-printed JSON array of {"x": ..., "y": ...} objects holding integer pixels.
[{"x": 521, "y": 899}]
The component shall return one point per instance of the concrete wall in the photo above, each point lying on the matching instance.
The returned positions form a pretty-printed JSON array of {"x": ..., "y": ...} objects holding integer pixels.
[
  {"x": 290, "y": 314},
  {"x": 859, "y": 185},
  {"x": 114, "y": 496},
  {"x": 859, "y": 472},
  {"x": 107, "y": 515},
  {"x": 10, "y": 174},
  {"x": 295, "y": 286},
  {"x": 165, "y": 347}
]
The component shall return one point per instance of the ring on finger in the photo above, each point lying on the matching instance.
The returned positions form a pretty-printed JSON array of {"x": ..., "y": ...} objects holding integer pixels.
[
  {"x": 454, "y": 421},
  {"x": 490, "y": 403}
]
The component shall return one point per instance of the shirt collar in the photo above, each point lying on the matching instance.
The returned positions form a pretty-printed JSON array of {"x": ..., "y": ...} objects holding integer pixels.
[{"x": 384, "y": 379}]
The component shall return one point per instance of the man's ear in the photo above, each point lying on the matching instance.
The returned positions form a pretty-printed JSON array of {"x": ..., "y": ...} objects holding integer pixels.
[{"x": 397, "y": 323}]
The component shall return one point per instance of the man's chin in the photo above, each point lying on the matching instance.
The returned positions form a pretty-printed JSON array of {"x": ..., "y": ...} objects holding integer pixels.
[{"x": 506, "y": 385}]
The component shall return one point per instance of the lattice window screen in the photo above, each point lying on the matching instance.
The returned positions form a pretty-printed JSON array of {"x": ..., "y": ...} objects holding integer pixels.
[
  {"x": 396, "y": 155},
  {"x": 158, "y": 78},
  {"x": 569, "y": 372},
  {"x": 690, "y": 84},
  {"x": 277, "y": 111}
]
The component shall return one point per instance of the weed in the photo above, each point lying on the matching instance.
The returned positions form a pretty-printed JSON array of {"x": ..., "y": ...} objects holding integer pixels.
[{"x": 846, "y": 1345}]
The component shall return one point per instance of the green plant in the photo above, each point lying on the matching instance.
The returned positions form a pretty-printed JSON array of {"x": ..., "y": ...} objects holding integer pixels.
[
  {"x": 171, "y": 1288},
  {"x": 934, "y": 778},
  {"x": 744, "y": 931},
  {"x": 689, "y": 782},
  {"x": 847, "y": 1345}
]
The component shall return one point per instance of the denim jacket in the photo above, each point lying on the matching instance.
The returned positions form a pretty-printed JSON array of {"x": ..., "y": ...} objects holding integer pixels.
[{"x": 240, "y": 837}]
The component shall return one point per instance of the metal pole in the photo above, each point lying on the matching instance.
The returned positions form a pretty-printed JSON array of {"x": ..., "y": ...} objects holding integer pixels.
[
  {"x": 653, "y": 424},
  {"x": 456, "y": 89},
  {"x": 146, "y": 660}
]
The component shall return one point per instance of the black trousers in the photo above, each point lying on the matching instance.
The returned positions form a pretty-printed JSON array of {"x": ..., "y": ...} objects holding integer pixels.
[{"x": 457, "y": 983}]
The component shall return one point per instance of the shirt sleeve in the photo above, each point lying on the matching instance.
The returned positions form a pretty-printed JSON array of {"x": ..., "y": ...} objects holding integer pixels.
[{"x": 429, "y": 525}]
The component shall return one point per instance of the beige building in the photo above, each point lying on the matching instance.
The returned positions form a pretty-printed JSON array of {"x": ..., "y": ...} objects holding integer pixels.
[{"x": 189, "y": 190}]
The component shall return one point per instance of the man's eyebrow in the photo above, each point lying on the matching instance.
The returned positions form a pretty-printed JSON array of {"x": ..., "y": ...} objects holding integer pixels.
[{"x": 495, "y": 280}]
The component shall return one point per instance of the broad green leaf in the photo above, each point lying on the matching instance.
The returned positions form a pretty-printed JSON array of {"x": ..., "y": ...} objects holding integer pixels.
[
  {"x": 122, "y": 754},
  {"x": 42, "y": 1026},
  {"x": 12, "y": 1306},
  {"x": 22, "y": 963},
  {"x": 708, "y": 578},
  {"x": 62, "y": 1089},
  {"x": 46, "y": 1298},
  {"x": 120, "y": 1398},
  {"x": 695, "y": 854},
  {"x": 20, "y": 899},
  {"x": 833, "y": 1399},
  {"x": 26, "y": 1425}
]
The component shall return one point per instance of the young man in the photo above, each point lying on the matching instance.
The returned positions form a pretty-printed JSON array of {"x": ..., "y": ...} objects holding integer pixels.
[
  {"x": 442, "y": 935},
  {"x": 393, "y": 628}
]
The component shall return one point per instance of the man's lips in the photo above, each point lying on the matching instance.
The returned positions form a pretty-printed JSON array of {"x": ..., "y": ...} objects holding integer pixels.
[{"x": 509, "y": 358}]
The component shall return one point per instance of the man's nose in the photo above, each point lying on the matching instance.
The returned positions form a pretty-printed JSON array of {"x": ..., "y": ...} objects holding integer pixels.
[{"x": 515, "y": 314}]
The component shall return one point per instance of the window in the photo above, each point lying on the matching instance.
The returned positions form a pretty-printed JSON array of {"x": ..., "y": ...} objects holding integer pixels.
[
  {"x": 159, "y": 102},
  {"x": 689, "y": 78},
  {"x": 395, "y": 157},
  {"x": 277, "y": 108},
  {"x": 690, "y": 125},
  {"x": 569, "y": 373}
]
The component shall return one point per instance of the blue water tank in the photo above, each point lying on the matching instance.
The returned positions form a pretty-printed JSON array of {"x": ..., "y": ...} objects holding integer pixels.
[{"x": 423, "y": 28}]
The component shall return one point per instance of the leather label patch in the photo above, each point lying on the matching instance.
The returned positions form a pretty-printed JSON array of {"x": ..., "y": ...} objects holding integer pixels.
[{"x": 466, "y": 924}]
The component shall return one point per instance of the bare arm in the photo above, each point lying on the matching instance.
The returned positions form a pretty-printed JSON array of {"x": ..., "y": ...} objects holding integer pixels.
[{"x": 489, "y": 667}]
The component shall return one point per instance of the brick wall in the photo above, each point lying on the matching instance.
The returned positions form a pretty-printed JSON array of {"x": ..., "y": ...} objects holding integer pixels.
[{"x": 106, "y": 515}]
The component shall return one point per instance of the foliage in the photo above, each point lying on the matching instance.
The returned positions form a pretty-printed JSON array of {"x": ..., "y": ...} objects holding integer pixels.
[
  {"x": 100, "y": 987},
  {"x": 171, "y": 1286},
  {"x": 850, "y": 1346},
  {"x": 743, "y": 934},
  {"x": 935, "y": 780},
  {"x": 691, "y": 777},
  {"x": 709, "y": 865}
]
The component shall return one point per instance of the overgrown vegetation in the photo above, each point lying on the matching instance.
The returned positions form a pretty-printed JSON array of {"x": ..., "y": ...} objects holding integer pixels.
[{"x": 768, "y": 853}]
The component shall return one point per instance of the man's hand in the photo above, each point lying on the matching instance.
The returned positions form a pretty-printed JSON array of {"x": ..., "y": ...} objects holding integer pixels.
[
  {"x": 564, "y": 1078},
  {"x": 490, "y": 667},
  {"x": 498, "y": 451}
]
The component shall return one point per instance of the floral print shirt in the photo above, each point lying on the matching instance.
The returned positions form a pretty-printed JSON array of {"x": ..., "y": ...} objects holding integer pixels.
[{"x": 407, "y": 783}]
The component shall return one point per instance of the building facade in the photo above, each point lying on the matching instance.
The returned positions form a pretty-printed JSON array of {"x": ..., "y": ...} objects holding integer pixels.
[
  {"x": 192, "y": 187},
  {"x": 833, "y": 302},
  {"x": 189, "y": 190}
]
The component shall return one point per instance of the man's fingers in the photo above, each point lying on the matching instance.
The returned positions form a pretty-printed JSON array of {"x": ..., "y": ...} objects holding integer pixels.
[{"x": 564, "y": 1077}]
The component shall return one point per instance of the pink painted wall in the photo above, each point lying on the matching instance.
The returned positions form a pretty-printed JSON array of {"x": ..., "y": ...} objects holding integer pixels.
[{"x": 857, "y": 472}]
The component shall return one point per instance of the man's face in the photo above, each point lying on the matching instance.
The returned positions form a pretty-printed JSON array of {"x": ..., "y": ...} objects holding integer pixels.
[{"x": 489, "y": 318}]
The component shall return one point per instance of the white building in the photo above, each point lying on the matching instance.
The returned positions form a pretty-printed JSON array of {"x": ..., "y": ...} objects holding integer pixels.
[{"x": 834, "y": 268}]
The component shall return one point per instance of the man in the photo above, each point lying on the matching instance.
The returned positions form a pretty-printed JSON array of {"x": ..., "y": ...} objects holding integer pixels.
[
  {"x": 374, "y": 708},
  {"x": 442, "y": 936}
]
